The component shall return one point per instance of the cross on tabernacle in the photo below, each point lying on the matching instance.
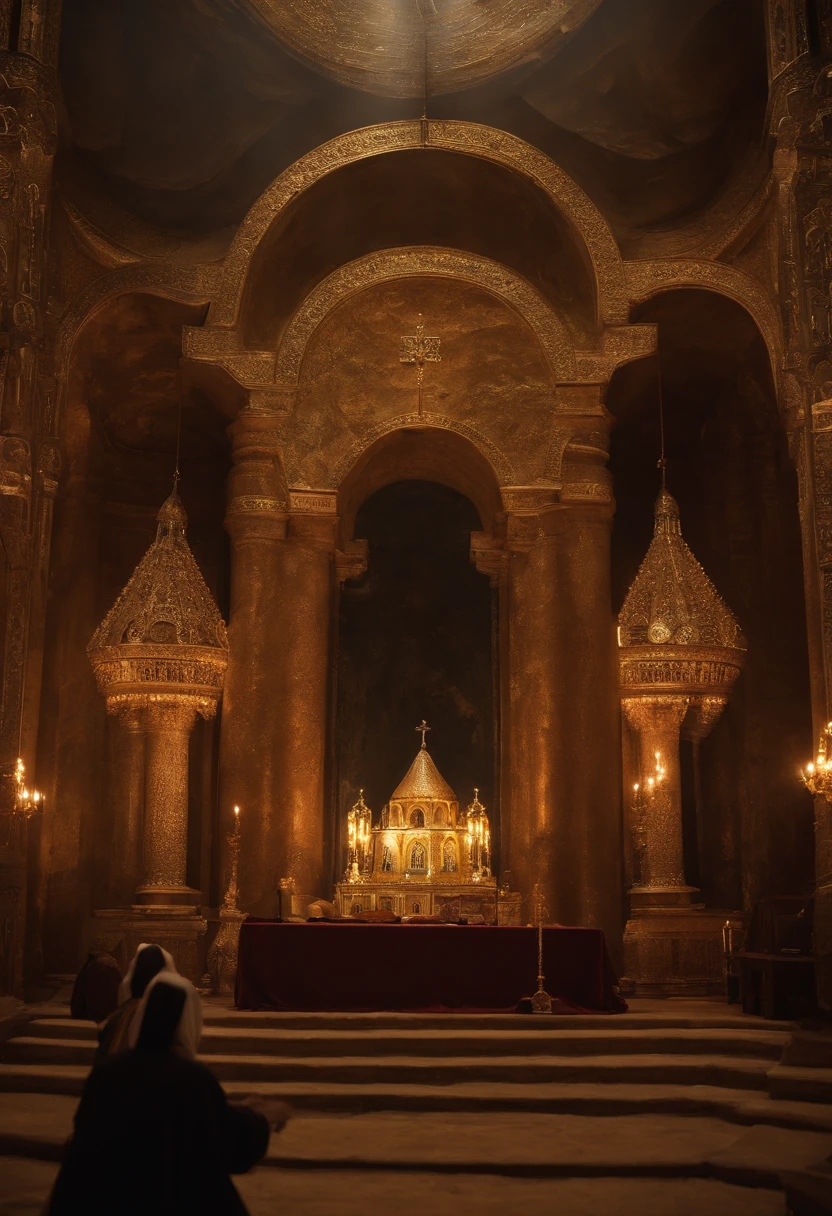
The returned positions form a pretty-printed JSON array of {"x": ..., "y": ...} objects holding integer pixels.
[
  {"x": 424, "y": 728},
  {"x": 416, "y": 348}
]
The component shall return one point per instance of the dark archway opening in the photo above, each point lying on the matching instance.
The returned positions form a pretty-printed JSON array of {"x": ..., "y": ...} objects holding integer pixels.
[
  {"x": 729, "y": 468},
  {"x": 415, "y": 640}
]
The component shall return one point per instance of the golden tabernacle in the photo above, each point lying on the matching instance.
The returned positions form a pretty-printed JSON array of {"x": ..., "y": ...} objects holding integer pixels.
[{"x": 423, "y": 858}]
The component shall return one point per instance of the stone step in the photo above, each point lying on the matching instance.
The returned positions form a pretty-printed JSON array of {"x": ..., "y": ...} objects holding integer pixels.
[
  {"x": 424, "y": 1042},
  {"x": 519, "y": 1144},
  {"x": 215, "y": 1015},
  {"x": 709, "y": 1070},
  {"x": 350, "y": 1192},
  {"x": 801, "y": 1084},
  {"x": 733, "y": 1071},
  {"x": 809, "y": 1048},
  {"x": 587, "y": 1097}
]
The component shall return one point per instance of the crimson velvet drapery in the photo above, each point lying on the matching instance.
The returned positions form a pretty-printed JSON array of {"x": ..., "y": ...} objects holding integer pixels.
[{"x": 346, "y": 965}]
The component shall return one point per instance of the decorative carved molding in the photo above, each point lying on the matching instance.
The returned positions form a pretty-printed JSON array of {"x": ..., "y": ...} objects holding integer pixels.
[
  {"x": 434, "y": 261},
  {"x": 313, "y": 502},
  {"x": 647, "y": 279},
  {"x": 501, "y": 465},
  {"x": 190, "y": 284},
  {"x": 469, "y": 138}
]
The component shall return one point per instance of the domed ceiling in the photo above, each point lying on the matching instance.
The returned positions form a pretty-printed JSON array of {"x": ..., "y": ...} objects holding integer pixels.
[
  {"x": 384, "y": 46},
  {"x": 181, "y": 112}
]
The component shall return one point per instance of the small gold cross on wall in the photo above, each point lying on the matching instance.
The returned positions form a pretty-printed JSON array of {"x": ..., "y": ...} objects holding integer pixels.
[{"x": 418, "y": 349}]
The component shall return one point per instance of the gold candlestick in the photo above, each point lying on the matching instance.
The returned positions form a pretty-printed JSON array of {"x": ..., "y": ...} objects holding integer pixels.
[
  {"x": 222, "y": 956},
  {"x": 541, "y": 1001},
  {"x": 233, "y": 838}
]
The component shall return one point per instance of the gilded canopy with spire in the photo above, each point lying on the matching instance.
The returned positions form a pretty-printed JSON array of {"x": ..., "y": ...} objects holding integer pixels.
[
  {"x": 676, "y": 634},
  {"x": 164, "y": 637}
]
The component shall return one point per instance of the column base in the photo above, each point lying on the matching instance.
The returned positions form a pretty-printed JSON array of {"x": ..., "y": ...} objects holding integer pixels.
[
  {"x": 674, "y": 952},
  {"x": 662, "y": 897},
  {"x": 168, "y": 897},
  {"x": 177, "y": 929}
]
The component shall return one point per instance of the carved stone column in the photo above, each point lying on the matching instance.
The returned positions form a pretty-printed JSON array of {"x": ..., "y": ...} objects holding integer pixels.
[
  {"x": 165, "y": 854},
  {"x": 681, "y": 651},
  {"x": 657, "y": 721},
  {"x": 162, "y": 652},
  {"x": 128, "y": 823},
  {"x": 561, "y": 787},
  {"x": 304, "y": 625},
  {"x": 256, "y": 521}
]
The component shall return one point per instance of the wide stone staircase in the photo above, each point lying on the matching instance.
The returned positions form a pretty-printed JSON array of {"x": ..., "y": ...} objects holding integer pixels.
[{"x": 677, "y": 1106}]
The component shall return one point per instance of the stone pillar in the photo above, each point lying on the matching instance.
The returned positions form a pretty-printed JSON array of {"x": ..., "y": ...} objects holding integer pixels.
[
  {"x": 657, "y": 722},
  {"x": 129, "y": 745},
  {"x": 530, "y": 799},
  {"x": 561, "y": 743},
  {"x": 165, "y": 852},
  {"x": 591, "y": 872},
  {"x": 304, "y": 625}
]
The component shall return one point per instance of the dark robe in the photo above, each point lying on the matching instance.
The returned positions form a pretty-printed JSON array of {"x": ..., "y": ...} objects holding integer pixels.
[
  {"x": 156, "y": 1136},
  {"x": 95, "y": 992}
]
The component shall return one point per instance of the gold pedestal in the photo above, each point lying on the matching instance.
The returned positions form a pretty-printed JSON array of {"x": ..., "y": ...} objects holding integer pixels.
[
  {"x": 120, "y": 932},
  {"x": 222, "y": 953}
]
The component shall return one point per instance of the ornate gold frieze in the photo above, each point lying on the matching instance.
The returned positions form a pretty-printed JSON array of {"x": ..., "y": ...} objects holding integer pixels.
[
  {"x": 492, "y": 453},
  {"x": 248, "y": 503}
]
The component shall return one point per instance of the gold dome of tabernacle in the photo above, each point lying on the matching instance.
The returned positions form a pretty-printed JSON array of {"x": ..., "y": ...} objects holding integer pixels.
[{"x": 423, "y": 780}]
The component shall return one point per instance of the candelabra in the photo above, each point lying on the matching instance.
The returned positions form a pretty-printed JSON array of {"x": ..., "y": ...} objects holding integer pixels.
[
  {"x": 359, "y": 828},
  {"x": 818, "y": 777},
  {"x": 222, "y": 956},
  {"x": 541, "y": 1001},
  {"x": 27, "y": 802},
  {"x": 642, "y": 806},
  {"x": 479, "y": 839}
]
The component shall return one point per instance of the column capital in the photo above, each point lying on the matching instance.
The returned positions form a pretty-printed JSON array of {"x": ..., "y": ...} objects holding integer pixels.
[
  {"x": 660, "y": 713},
  {"x": 258, "y": 499}
]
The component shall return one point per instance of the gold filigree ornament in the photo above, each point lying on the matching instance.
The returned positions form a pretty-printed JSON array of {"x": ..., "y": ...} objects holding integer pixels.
[
  {"x": 164, "y": 641},
  {"x": 817, "y": 777},
  {"x": 675, "y": 633}
]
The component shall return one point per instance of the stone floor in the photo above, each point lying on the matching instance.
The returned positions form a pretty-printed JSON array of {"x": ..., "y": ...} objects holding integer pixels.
[
  {"x": 24, "y": 1185},
  {"x": 666, "y": 1111}
]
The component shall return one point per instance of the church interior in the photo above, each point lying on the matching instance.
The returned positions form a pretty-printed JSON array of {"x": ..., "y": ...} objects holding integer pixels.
[{"x": 366, "y": 363}]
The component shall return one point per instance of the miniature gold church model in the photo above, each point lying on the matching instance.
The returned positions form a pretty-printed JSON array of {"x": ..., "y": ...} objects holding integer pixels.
[{"x": 424, "y": 857}]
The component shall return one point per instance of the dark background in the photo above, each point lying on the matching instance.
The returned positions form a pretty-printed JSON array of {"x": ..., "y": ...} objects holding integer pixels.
[{"x": 414, "y": 642}]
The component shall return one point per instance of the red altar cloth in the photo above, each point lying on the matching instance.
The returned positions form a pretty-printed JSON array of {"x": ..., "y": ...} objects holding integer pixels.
[{"x": 349, "y": 966}]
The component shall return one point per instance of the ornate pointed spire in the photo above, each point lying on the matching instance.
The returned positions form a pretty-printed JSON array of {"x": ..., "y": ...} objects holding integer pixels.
[
  {"x": 423, "y": 779},
  {"x": 166, "y": 600},
  {"x": 164, "y": 635},
  {"x": 672, "y": 601}
]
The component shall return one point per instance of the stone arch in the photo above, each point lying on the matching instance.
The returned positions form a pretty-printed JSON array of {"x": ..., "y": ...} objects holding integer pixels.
[
  {"x": 648, "y": 279},
  {"x": 472, "y": 139},
  {"x": 430, "y": 448},
  {"x": 509, "y": 286},
  {"x": 187, "y": 285}
]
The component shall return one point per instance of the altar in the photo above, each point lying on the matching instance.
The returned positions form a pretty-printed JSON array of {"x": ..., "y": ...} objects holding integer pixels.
[{"x": 348, "y": 966}]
